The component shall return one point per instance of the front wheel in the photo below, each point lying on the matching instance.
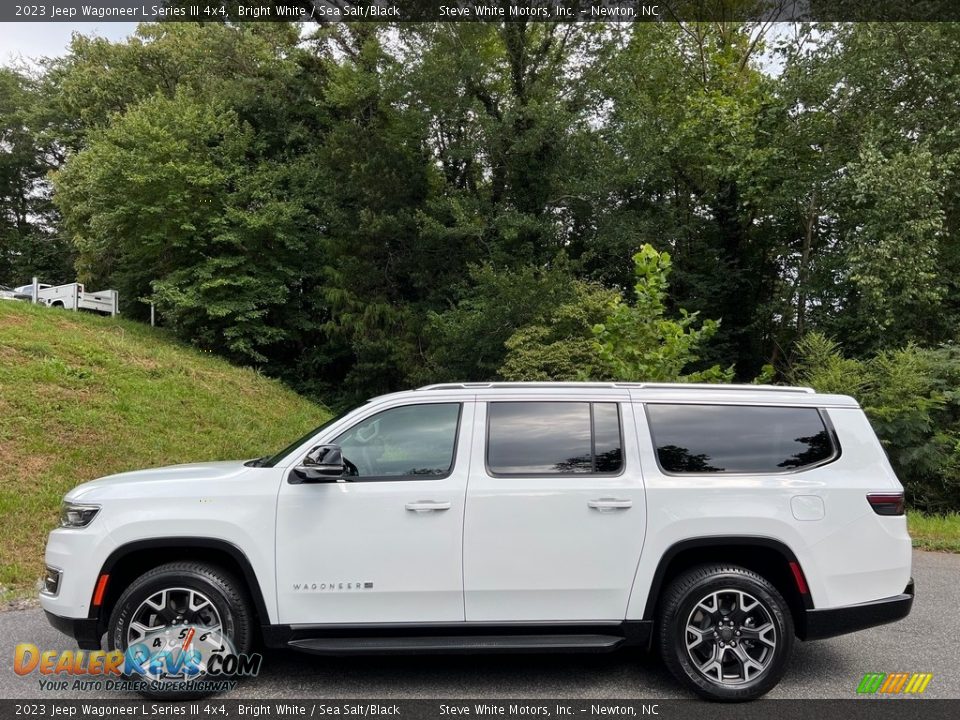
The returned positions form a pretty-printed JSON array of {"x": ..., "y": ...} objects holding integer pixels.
[
  {"x": 725, "y": 632},
  {"x": 177, "y": 623}
]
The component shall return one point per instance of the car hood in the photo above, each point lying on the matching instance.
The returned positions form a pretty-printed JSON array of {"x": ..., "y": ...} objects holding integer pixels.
[{"x": 192, "y": 473}]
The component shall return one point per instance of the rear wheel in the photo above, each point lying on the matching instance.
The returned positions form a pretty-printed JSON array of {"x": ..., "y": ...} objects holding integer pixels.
[
  {"x": 725, "y": 632},
  {"x": 189, "y": 609}
]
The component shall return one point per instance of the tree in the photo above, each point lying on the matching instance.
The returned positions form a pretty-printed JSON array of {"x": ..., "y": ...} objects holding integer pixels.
[
  {"x": 638, "y": 342},
  {"x": 197, "y": 191},
  {"x": 559, "y": 344},
  {"x": 30, "y": 241},
  {"x": 877, "y": 103},
  {"x": 469, "y": 341},
  {"x": 681, "y": 167}
]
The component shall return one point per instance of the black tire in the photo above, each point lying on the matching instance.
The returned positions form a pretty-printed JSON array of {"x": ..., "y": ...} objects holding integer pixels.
[
  {"x": 224, "y": 591},
  {"x": 719, "y": 665}
]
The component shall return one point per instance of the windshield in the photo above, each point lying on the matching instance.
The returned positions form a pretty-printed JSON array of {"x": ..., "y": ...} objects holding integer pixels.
[{"x": 272, "y": 460}]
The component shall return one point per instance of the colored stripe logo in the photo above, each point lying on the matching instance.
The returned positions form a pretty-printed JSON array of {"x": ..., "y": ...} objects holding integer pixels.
[{"x": 894, "y": 683}]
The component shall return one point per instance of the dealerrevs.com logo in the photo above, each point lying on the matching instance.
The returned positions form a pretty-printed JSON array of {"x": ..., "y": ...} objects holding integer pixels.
[
  {"x": 185, "y": 658},
  {"x": 894, "y": 683}
]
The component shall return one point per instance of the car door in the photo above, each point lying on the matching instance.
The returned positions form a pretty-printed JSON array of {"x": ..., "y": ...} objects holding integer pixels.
[
  {"x": 555, "y": 510},
  {"x": 384, "y": 544}
]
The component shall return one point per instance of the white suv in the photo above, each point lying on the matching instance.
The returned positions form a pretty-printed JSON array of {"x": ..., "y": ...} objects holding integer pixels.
[{"x": 717, "y": 522}]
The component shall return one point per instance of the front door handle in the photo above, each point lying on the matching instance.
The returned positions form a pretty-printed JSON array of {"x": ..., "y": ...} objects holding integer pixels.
[
  {"x": 610, "y": 504},
  {"x": 422, "y": 506}
]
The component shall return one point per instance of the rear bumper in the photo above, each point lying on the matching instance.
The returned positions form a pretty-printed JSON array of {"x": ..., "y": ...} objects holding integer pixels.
[
  {"x": 831, "y": 622},
  {"x": 83, "y": 630}
]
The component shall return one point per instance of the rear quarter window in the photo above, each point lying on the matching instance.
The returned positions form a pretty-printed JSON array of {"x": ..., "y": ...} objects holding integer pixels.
[{"x": 698, "y": 439}]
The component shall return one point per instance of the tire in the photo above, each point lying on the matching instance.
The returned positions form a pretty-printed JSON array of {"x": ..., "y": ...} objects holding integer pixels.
[
  {"x": 737, "y": 604},
  {"x": 217, "y": 597}
]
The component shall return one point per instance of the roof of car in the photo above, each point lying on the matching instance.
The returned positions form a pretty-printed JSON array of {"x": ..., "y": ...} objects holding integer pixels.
[{"x": 640, "y": 391}]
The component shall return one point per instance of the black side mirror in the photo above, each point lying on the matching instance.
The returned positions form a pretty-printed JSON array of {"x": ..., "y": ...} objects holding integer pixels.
[{"x": 323, "y": 464}]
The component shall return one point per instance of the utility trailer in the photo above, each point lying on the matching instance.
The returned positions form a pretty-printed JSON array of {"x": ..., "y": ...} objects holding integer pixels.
[{"x": 73, "y": 296}]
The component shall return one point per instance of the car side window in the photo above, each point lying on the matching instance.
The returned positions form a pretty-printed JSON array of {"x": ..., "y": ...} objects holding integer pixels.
[
  {"x": 412, "y": 441},
  {"x": 696, "y": 439},
  {"x": 553, "y": 438}
]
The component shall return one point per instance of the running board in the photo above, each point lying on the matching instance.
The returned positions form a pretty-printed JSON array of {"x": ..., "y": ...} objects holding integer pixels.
[{"x": 458, "y": 644}]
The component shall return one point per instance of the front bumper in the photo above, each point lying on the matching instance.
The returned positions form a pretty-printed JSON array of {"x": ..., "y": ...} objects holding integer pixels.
[
  {"x": 83, "y": 630},
  {"x": 830, "y": 622}
]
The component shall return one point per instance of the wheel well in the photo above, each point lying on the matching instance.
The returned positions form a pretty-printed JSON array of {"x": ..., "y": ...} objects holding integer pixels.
[
  {"x": 127, "y": 564},
  {"x": 768, "y": 559}
]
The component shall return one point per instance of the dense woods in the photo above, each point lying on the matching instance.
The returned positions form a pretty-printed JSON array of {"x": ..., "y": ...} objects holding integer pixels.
[{"x": 357, "y": 209}]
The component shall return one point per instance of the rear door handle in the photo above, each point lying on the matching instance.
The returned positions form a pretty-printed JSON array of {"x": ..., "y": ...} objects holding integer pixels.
[
  {"x": 610, "y": 504},
  {"x": 422, "y": 506}
]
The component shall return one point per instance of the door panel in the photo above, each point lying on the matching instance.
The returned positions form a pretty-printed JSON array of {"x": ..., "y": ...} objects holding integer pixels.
[
  {"x": 557, "y": 548},
  {"x": 380, "y": 550}
]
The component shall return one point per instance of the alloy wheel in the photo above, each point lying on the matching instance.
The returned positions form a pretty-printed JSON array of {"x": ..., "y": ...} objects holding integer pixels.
[{"x": 730, "y": 637}]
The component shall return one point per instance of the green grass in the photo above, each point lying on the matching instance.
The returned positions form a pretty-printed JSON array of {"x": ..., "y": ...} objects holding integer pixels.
[
  {"x": 935, "y": 532},
  {"x": 83, "y": 396}
]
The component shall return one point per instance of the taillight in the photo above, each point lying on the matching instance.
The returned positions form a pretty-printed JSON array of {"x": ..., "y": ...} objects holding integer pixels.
[{"x": 886, "y": 503}]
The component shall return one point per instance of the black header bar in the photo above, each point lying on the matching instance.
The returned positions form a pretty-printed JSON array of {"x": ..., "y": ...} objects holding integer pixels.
[{"x": 379, "y": 11}]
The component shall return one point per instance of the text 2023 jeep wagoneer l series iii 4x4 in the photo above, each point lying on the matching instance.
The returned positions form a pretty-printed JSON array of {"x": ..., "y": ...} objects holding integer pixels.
[{"x": 715, "y": 522}]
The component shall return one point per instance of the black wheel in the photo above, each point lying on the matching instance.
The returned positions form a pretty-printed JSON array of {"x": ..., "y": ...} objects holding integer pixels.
[
  {"x": 179, "y": 606},
  {"x": 725, "y": 632}
]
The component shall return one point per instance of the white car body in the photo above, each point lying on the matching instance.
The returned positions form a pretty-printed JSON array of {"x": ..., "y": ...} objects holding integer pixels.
[{"x": 473, "y": 548}]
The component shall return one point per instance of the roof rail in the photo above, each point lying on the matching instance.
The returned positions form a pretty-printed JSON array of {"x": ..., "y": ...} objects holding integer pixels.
[
  {"x": 532, "y": 384},
  {"x": 728, "y": 386},
  {"x": 629, "y": 385}
]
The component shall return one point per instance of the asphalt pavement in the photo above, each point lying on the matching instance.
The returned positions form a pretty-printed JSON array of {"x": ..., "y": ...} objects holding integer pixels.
[{"x": 927, "y": 641}]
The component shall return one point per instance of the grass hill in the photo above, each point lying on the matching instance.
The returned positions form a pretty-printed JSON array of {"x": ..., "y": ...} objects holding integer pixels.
[{"x": 83, "y": 396}]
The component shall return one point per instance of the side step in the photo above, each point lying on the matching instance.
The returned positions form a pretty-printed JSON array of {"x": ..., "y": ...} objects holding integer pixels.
[{"x": 458, "y": 644}]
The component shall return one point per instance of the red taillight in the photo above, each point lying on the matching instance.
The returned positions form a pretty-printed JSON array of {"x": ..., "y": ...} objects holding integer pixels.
[
  {"x": 100, "y": 590},
  {"x": 887, "y": 503}
]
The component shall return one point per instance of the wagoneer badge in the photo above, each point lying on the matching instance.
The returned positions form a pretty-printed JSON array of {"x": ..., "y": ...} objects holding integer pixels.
[{"x": 332, "y": 586}]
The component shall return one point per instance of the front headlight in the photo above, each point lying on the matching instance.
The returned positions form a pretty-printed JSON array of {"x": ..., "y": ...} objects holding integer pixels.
[{"x": 77, "y": 515}]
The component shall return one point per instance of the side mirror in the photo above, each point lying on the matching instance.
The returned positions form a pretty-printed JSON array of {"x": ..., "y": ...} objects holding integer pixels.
[{"x": 323, "y": 464}]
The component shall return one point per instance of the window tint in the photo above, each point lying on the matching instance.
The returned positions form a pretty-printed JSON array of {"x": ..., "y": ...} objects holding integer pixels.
[
  {"x": 532, "y": 438},
  {"x": 738, "y": 439},
  {"x": 409, "y": 441}
]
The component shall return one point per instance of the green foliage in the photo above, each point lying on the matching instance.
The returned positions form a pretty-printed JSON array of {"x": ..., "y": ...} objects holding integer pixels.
[
  {"x": 164, "y": 207},
  {"x": 469, "y": 340},
  {"x": 820, "y": 363},
  {"x": 893, "y": 251},
  {"x": 639, "y": 342},
  {"x": 30, "y": 243},
  {"x": 911, "y": 398},
  {"x": 559, "y": 345},
  {"x": 190, "y": 186},
  {"x": 314, "y": 205}
]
